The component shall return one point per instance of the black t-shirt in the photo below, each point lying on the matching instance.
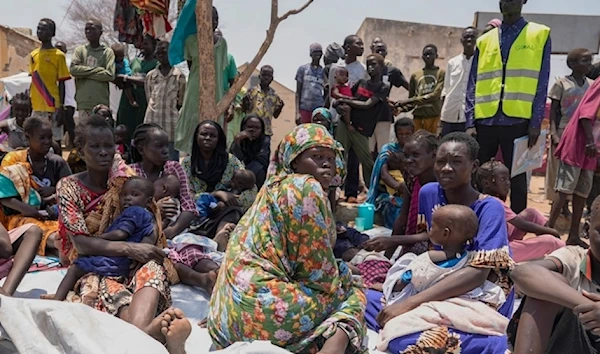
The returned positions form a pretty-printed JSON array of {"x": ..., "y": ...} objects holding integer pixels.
[
  {"x": 394, "y": 77},
  {"x": 365, "y": 120}
]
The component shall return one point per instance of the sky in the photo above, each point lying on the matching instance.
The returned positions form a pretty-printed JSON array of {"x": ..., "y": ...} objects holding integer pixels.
[{"x": 244, "y": 22}]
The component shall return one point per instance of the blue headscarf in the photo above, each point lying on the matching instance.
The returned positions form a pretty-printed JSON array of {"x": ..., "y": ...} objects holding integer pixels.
[
  {"x": 186, "y": 26},
  {"x": 326, "y": 114}
]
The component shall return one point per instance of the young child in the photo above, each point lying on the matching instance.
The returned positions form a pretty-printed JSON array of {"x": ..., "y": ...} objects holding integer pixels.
[
  {"x": 263, "y": 101},
  {"x": 494, "y": 179},
  {"x": 371, "y": 266},
  {"x": 135, "y": 224},
  {"x": 425, "y": 94},
  {"x": 342, "y": 90},
  {"x": 452, "y": 228},
  {"x": 21, "y": 109},
  {"x": 577, "y": 153},
  {"x": 566, "y": 93},
  {"x": 122, "y": 147},
  {"x": 168, "y": 186},
  {"x": 241, "y": 181},
  {"x": 561, "y": 297},
  {"x": 122, "y": 68}
]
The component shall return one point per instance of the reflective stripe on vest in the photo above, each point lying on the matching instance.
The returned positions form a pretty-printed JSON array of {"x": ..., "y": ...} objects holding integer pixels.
[{"x": 521, "y": 74}]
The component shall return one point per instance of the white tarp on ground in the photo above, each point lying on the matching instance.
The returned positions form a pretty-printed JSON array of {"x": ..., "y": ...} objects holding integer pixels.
[{"x": 85, "y": 327}]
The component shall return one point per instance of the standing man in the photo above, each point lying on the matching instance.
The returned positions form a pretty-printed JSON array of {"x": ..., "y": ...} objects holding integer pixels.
[
  {"x": 508, "y": 85},
  {"x": 93, "y": 67},
  {"x": 392, "y": 77},
  {"x": 70, "y": 105},
  {"x": 309, "y": 86},
  {"x": 455, "y": 85},
  {"x": 48, "y": 70},
  {"x": 165, "y": 89}
]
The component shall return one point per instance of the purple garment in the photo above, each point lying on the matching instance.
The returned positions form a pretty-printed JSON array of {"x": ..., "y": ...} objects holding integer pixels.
[
  {"x": 136, "y": 221},
  {"x": 347, "y": 240},
  {"x": 508, "y": 35}
]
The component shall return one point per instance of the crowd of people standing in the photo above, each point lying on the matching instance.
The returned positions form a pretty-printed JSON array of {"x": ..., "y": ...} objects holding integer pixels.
[{"x": 257, "y": 231}]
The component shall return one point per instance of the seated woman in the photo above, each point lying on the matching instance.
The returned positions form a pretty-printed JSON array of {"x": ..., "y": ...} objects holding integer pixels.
[
  {"x": 75, "y": 161},
  {"x": 387, "y": 185},
  {"x": 280, "y": 280},
  {"x": 419, "y": 151},
  {"x": 494, "y": 179},
  {"x": 455, "y": 161},
  {"x": 150, "y": 154},
  {"x": 210, "y": 169},
  {"x": 560, "y": 313},
  {"x": 28, "y": 183},
  {"x": 88, "y": 203},
  {"x": 252, "y": 147},
  {"x": 18, "y": 248}
]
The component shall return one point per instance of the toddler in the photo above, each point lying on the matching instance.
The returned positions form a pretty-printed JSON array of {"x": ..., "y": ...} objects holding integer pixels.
[
  {"x": 21, "y": 110},
  {"x": 343, "y": 90},
  {"x": 453, "y": 227},
  {"x": 168, "y": 186},
  {"x": 371, "y": 266},
  {"x": 135, "y": 224},
  {"x": 241, "y": 181},
  {"x": 122, "y": 68},
  {"x": 122, "y": 147},
  {"x": 394, "y": 166}
]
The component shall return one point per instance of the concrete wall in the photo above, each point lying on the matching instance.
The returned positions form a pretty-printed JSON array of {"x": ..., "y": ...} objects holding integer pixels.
[
  {"x": 14, "y": 50},
  {"x": 405, "y": 42}
]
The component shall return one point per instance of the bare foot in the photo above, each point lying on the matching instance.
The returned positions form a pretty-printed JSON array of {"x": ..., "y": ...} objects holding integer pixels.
[
  {"x": 177, "y": 332},
  {"x": 154, "y": 329},
  {"x": 222, "y": 237},
  {"x": 577, "y": 242}
]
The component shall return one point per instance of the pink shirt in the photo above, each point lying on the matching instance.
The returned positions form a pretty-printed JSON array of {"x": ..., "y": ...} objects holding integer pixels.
[
  {"x": 571, "y": 149},
  {"x": 510, "y": 216}
]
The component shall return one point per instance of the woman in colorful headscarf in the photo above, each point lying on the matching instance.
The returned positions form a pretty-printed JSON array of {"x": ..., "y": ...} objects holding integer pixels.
[
  {"x": 252, "y": 147},
  {"x": 387, "y": 185},
  {"x": 280, "y": 280},
  {"x": 88, "y": 203},
  {"x": 28, "y": 181}
]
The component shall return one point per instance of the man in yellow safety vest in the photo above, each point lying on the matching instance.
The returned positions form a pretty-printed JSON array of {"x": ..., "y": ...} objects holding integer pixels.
[{"x": 508, "y": 84}]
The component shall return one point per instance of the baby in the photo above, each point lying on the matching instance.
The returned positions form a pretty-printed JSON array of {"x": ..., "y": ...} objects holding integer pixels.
[
  {"x": 135, "y": 224},
  {"x": 453, "y": 227},
  {"x": 168, "y": 186},
  {"x": 342, "y": 90},
  {"x": 122, "y": 68},
  {"x": 121, "y": 142},
  {"x": 241, "y": 181},
  {"x": 394, "y": 166},
  {"x": 371, "y": 266}
]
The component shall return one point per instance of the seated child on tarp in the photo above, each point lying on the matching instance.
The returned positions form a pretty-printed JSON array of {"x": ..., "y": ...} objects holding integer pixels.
[
  {"x": 135, "y": 224},
  {"x": 168, "y": 187},
  {"x": 241, "y": 181},
  {"x": 371, "y": 266}
]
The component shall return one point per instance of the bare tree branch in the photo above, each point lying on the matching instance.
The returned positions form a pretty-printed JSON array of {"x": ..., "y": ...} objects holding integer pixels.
[{"x": 226, "y": 101}]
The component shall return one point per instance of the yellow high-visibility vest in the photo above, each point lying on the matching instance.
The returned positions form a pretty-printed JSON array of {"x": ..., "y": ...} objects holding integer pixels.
[{"x": 513, "y": 83}]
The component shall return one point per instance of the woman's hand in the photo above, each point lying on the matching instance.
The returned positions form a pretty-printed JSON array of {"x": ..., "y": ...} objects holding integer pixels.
[
  {"x": 144, "y": 252},
  {"x": 46, "y": 192},
  {"x": 168, "y": 208},
  {"x": 379, "y": 244},
  {"x": 228, "y": 198},
  {"x": 395, "y": 310},
  {"x": 243, "y": 135},
  {"x": 590, "y": 150},
  {"x": 589, "y": 314}
]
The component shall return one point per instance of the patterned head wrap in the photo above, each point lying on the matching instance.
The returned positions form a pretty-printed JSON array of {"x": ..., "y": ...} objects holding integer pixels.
[
  {"x": 326, "y": 114},
  {"x": 302, "y": 138}
]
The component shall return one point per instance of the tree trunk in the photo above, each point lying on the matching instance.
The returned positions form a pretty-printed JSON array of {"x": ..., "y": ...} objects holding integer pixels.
[
  {"x": 207, "y": 106},
  {"x": 206, "y": 62}
]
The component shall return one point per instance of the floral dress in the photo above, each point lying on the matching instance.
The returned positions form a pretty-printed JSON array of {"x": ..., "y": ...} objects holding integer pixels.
[
  {"x": 198, "y": 186},
  {"x": 280, "y": 280}
]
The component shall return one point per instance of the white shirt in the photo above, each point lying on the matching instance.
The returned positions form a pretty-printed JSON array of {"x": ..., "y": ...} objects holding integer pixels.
[
  {"x": 70, "y": 91},
  {"x": 455, "y": 89}
]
